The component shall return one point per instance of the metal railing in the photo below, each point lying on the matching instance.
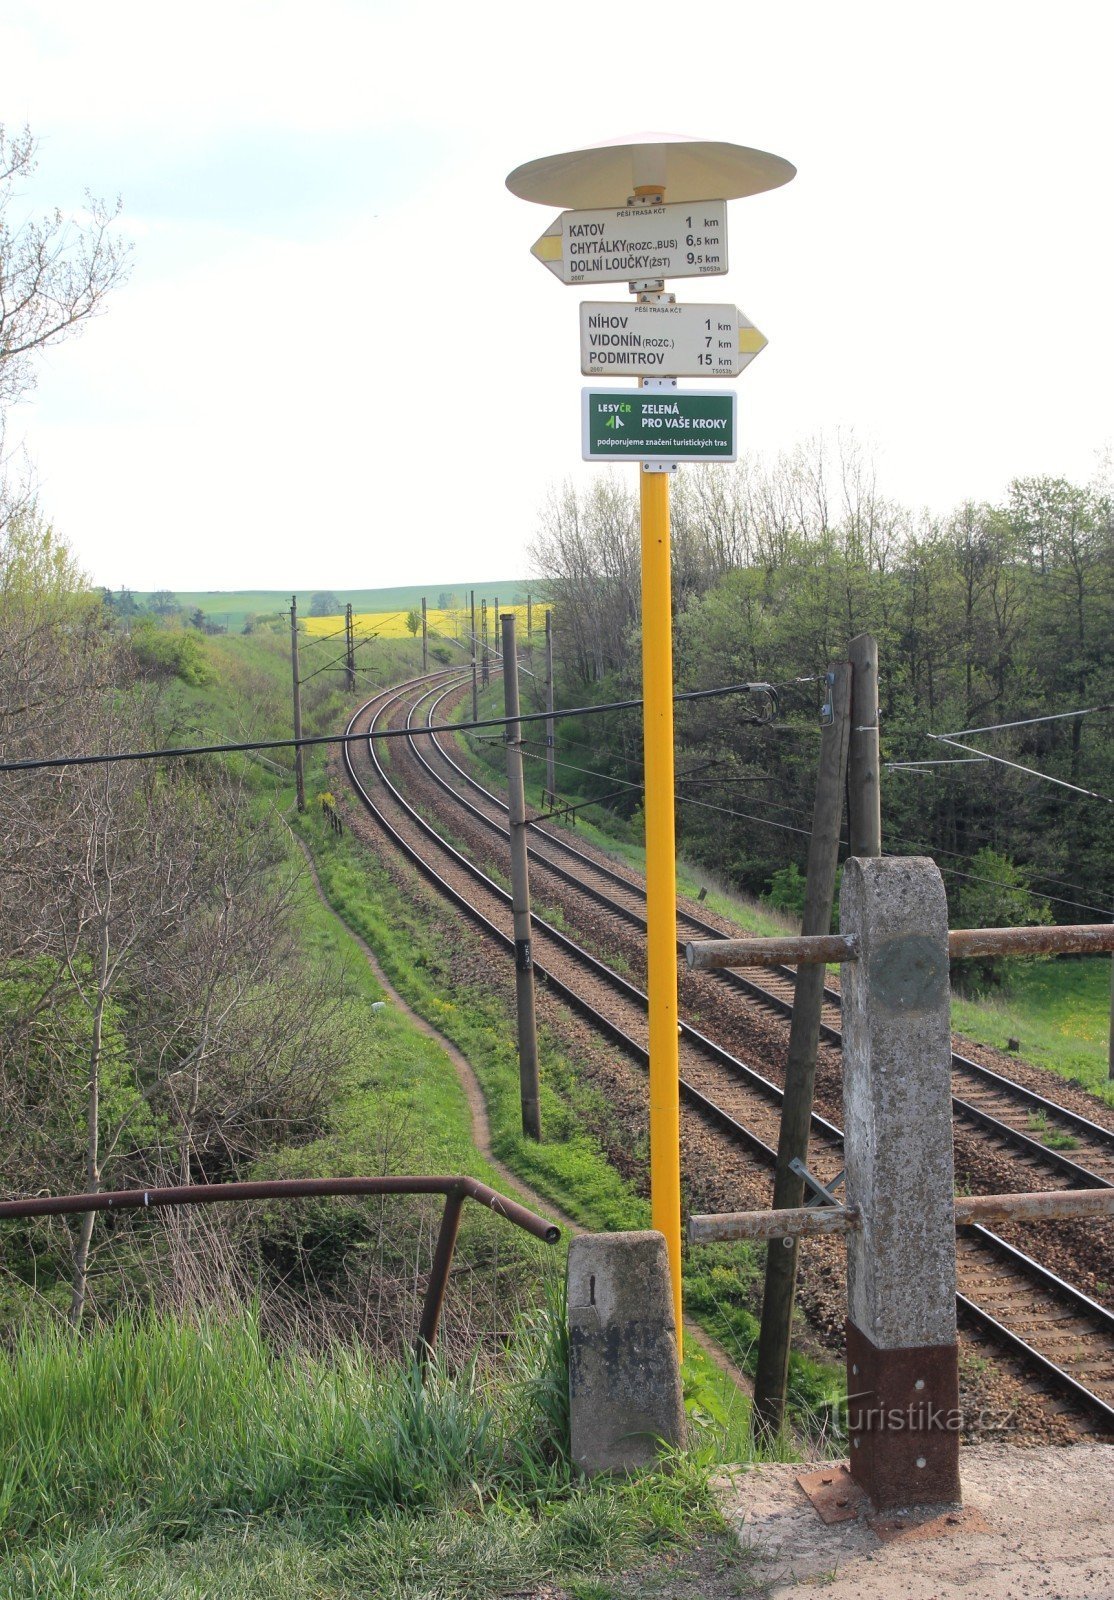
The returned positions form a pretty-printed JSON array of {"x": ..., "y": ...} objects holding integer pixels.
[
  {"x": 456, "y": 1191},
  {"x": 704, "y": 955}
]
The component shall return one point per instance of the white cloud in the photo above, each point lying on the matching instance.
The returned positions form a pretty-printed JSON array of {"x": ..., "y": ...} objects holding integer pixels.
[{"x": 324, "y": 243}]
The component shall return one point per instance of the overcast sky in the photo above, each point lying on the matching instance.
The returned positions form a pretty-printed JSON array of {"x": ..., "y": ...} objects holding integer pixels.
[{"x": 336, "y": 362}]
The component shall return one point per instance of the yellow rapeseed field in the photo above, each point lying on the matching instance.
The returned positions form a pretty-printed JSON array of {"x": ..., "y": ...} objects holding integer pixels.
[{"x": 450, "y": 624}]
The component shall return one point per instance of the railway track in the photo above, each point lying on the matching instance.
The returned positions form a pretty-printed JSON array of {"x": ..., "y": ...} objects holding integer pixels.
[{"x": 1052, "y": 1327}]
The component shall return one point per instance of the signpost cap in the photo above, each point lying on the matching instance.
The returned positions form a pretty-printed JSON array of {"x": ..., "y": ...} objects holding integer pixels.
[{"x": 683, "y": 168}]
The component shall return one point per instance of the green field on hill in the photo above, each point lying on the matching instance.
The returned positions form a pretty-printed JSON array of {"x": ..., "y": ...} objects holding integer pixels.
[{"x": 233, "y": 606}]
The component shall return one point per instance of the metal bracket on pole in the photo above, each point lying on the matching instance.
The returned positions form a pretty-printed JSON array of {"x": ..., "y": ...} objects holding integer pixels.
[
  {"x": 659, "y": 384},
  {"x": 822, "y": 1195}
]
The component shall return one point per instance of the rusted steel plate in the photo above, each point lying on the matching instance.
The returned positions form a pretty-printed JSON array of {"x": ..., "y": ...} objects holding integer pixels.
[{"x": 834, "y": 1493}]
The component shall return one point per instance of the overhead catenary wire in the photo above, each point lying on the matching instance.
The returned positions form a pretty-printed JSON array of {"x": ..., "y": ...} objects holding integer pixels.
[
  {"x": 1025, "y": 722},
  {"x": 1017, "y": 766},
  {"x": 910, "y": 847},
  {"x": 40, "y": 763}
]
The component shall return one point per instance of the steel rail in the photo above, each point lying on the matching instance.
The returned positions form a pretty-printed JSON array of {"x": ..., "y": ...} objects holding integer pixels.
[
  {"x": 595, "y": 967},
  {"x": 1081, "y": 1305},
  {"x": 1075, "y": 1173}
]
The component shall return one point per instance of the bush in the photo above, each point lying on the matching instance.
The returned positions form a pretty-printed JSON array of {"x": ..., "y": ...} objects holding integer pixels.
[
  {"x": 996, "y": 896},
  {"x": 170, "y": 653},
  {"x": 786, "y": 890}
]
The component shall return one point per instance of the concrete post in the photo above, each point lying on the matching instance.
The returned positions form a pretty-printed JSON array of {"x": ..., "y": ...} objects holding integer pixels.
[
  {"x": 624, "y": 1377},
  {"x": 902, "y": 1358}
]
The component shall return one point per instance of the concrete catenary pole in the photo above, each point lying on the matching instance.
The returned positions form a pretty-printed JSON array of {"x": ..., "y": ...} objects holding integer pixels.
[
  {"x": 902, "y": 1357},
  {"x": 349, "y": 649},
  {"x": 425, "y": 639},
  {"x": 520, "y": 893},
  {"x": 483, "y": 643},
  {"x": 529, "y": 616},
  {"x": 299, "y": 769},
  {"x": 550, "y": 780},
  {"x": 772, "y": 1372},
  {"x": 864, "y": 793}
]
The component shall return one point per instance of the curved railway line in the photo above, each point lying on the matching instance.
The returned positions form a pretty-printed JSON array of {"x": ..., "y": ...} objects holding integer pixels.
[{"x": 1060, "y": 1334}]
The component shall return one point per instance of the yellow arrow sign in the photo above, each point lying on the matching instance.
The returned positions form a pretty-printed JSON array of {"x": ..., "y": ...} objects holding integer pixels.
[
  {"x": 682, "y": 240},
  {"x": 659, "y": 338}
]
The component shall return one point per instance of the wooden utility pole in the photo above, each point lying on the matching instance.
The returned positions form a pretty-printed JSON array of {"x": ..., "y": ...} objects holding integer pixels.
[
  {"x": 1110, "y": 1057},
  {"x": 349, "y": 649},
  {"x": 772, "y": 1373},
  {"x": 475, "y": 685},
  {"x": 299, "y": 769},
  {"x": 864, "y": 792},
  {"x": 550, "y": 781},
  {"x": 425, "y": 639},
  {"x": 520, "y": 893}
]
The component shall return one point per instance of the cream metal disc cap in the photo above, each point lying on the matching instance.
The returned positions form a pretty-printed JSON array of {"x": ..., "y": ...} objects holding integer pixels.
[{"x": 683, "y": 169}]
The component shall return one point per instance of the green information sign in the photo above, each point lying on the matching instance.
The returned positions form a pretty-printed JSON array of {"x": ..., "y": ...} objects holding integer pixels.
[{"x": 659, "y": 424}]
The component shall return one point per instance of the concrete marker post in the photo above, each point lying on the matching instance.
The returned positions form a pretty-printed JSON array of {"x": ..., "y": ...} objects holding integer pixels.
[
  {"x": 625, "y": 1396},
  {"x": 902, "y": 1355}
]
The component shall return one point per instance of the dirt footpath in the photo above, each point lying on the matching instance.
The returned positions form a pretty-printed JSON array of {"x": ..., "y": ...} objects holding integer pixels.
[{"x": 1036, "y": 1525}]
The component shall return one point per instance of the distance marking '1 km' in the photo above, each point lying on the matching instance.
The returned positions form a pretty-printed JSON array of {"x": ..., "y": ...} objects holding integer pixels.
[
  {"x": 658, "y": 424},
  {"x": 656, "y": 338},
  {"x": 685, "y": 240}
]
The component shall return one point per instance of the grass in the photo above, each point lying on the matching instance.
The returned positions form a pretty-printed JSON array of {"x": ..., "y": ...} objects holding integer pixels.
[
  {"x": 161, "y": 1458},
  {"x": 1059, "y": 1011},
  {"x": 571, "y": 1166}
]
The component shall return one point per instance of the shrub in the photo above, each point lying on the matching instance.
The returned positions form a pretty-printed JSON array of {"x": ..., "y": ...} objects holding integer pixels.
[{"x": 170, "y": 653}]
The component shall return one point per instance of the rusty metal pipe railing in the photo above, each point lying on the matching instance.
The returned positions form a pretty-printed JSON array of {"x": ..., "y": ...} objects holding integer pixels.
[
  {"x": 455, "y": 1190},
  {"x": 705, "y": 955},
  {"x": 810, "y": 1221}
]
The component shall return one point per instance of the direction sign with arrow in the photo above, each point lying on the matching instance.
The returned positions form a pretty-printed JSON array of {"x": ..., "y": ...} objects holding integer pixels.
[
  {"x": 686, "y": 240},
  {"x": 658, "y": 338}
]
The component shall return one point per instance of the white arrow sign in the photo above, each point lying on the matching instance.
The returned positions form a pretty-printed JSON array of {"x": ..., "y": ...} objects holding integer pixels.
[
  {"x": 685, "y": 240},
  {"x": 661, "y": 339}
]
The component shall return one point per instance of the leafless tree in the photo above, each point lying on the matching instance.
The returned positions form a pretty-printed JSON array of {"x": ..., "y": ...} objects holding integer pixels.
[{"x": 55, "y": 270}]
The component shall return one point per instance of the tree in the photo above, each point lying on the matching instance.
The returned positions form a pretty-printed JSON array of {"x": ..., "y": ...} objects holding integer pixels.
[
  {"x": 325, "y": 604},
  {"x": 55, "y": 271},
  {"x": 413, "y": 619},
  {"x": 164, "y": 603}
]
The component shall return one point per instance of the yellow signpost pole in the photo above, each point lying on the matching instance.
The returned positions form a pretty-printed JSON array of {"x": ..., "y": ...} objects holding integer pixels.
[
  {"x": 635, "y": 175},
  {"x": 661, "y": 873}
]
